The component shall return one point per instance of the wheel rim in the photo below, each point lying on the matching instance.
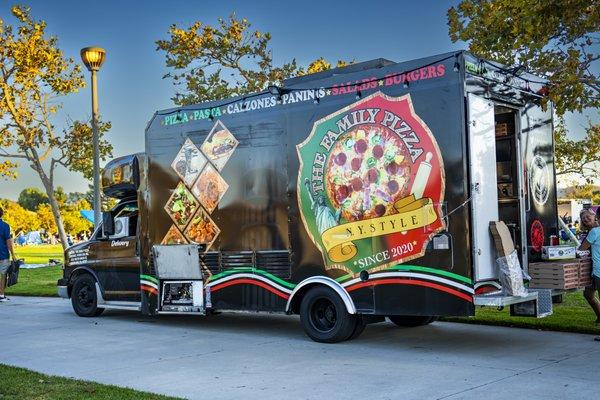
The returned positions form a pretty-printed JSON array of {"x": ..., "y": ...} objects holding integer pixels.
[
  {"x": 323, "y": 315},
  {"x": 85, "y": 296}
]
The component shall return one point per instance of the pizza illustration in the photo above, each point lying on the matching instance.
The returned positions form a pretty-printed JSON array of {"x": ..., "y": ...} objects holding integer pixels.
[{"x": 368, "y": 170}]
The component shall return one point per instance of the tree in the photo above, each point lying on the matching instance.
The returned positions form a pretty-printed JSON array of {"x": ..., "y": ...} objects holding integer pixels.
[
  {"x": 578, "y": 157},
  {"x": 554, "y": 39},
  {"x": 33, "y": 73},
  {"x": 31, "y": 198},
  {"x": 224, "y": 61},
  {"x": 74, "y": 222},
  {"x": 45, "y": 216},
  {"x": 19, "y": 219}
]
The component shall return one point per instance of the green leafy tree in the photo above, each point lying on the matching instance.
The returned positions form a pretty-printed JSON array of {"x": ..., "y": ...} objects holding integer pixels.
[
  {"x": 74, "y": 222},
  {"x": 230, "y": 59},
  {"x": 557, "y": 40},
  {"x": 33, "y": 74},
  {"x": 578, "y": 157},
  {"x": 19, "y": 218},
  {"x": 31, "y": 198}
]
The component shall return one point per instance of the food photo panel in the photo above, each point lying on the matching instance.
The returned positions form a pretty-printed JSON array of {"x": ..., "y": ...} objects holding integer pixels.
[
  {"x": 189, "y": 162},
  {"x": 202, "y": 229},
  {"x": 174, "y": 236},
  {"x": 209, "y": 188},
  {"x": 181, "y": 206},
  {"x": 219, "y": 145}
]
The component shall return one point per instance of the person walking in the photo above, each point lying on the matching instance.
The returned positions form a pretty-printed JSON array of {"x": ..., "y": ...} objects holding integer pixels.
[
  {"x": 592, "y": 243},
  {"x": 6, "y": 253}
]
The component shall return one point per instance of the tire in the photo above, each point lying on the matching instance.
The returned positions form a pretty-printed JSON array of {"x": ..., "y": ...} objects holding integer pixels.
[
  {"x": 360, "y": 327},
  {"x": 83, "y": 297},
  {"x": 411, "y": 321},
  {"x": 324, "y": 316}
]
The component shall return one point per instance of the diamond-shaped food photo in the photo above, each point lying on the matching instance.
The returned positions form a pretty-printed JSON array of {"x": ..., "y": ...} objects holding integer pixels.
[
  {"x": 189, "y": 162},
  {"x": 209, "y": 188},
  {"x": 181, "y": 206},
  {"x": 174, "y": 236},
  {"x": 219, "y": 145},
  {"x": 202, "y": 229}
]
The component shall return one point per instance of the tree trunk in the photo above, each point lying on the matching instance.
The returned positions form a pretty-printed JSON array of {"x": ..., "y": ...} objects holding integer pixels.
[{"x": 49, "y": 187}]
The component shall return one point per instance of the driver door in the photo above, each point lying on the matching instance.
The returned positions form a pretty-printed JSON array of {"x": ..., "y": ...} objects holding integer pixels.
[{"x": 118, "y": 261}]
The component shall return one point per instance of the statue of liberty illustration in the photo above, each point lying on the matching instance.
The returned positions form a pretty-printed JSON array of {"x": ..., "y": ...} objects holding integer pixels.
[{"x": 324, "y": 218}]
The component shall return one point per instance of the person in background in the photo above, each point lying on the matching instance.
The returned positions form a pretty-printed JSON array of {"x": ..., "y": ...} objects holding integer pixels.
[
  {"x": 6, "y": 252},
  {"x": 592, "y": 243}
]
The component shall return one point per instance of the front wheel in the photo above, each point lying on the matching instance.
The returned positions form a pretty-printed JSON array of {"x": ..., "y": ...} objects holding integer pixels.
[
  {"x": 410, "y": 321},
  {"x": 324, "y": 316},
  {"x": 83, "y": 297}
]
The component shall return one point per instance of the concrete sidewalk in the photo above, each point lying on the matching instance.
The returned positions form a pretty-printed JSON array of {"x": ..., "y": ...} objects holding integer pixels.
[{"x": 235, "y": 356}]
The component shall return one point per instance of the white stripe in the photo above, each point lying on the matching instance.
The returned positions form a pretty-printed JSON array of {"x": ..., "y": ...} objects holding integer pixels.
[
  {"x": 446, "y": 282},
  {"x": 253, "y": 276},
  {"x": 491, "y": 283},
  {"x": 148, "y": 283}
]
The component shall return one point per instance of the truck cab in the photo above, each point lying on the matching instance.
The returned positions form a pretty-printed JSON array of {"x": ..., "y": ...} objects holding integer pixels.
[{"x": 106, "y": 269}]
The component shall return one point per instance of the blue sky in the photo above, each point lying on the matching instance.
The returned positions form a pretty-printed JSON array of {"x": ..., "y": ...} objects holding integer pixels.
[{"x": 131, "y": 87}]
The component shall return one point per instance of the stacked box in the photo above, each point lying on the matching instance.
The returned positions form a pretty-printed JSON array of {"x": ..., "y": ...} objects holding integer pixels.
[
  {"x": 554, "y": 275},
  {"x": 569, "y": 274},
  {"x": 585, "y": 272}
]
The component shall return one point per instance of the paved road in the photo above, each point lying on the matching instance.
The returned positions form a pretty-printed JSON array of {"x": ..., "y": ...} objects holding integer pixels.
[{"x": 241, "y": 356}]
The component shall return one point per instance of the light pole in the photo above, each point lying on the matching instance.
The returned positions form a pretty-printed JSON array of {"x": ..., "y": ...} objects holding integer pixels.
[{"x": 93, "y": 58}]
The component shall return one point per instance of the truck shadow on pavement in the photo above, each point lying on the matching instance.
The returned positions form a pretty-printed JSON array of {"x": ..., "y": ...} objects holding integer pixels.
[{"x": 439, "y": 336}]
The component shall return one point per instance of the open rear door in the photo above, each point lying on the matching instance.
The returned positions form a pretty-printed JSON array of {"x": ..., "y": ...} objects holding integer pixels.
[{"x": 482, "y": 170}]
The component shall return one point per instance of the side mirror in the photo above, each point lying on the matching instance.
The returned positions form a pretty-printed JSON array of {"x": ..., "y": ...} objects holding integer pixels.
[{"x": 108, "y": 224}]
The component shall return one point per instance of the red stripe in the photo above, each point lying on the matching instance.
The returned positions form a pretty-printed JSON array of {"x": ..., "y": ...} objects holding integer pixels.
[
  {"x": 486, "y": 289},
  {"x": 242, "y": 281},
  {"x": 414, "y": 282},
  {"x": 149, "y": 289}
]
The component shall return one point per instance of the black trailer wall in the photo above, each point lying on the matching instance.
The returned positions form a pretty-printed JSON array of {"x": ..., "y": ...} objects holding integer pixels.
[{"x": 259, "y": 215}]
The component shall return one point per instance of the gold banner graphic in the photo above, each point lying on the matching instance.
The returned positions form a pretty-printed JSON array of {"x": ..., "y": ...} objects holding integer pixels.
[{"x": 412, "y": 214}]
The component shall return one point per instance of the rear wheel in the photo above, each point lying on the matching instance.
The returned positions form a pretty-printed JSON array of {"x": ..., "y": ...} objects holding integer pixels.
[
  {"x": 324, "y": 316},
  {"x": 83, "y": 297},
  {"x": 411, "y": 321}
]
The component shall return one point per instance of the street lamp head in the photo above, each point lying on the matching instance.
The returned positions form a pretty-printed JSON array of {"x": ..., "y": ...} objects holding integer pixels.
[{"x": 93, "y": 57}]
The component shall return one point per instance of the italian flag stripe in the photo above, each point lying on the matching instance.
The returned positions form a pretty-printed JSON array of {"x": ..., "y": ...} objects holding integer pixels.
[
  {"x": 413, "y": 282},
  {"x": 261, "y": 284},
  {"x": 254, "y": 271},
  {"x": 148, "y": 283},
  {"x": 149, "y": 278}
]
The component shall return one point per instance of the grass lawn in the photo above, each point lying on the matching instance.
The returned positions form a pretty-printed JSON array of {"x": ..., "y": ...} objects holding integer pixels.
[
  {"x": 573, "y": 315},
  {"x": 36, "y": 282},
  {"x": 39, "y": 254},
  {"x": 19, "y": 383}
]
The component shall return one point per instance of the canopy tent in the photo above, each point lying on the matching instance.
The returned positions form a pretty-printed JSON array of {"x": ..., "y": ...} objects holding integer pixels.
[{"x": 87, "y": 214}]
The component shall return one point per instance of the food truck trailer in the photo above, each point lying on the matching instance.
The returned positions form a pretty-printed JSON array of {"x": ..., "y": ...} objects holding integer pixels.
[{"x": 345, "y": 196}]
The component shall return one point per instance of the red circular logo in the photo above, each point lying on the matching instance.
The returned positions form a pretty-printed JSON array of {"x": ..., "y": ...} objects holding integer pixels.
[{"x": 537, "y": 236}]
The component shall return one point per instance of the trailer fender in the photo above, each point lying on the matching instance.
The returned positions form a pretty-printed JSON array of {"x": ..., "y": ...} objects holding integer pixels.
[{"x": 303, "y": 286}]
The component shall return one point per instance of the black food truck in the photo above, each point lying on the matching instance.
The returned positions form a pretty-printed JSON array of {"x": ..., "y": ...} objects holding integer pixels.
[{"x": 345, "y": 196}]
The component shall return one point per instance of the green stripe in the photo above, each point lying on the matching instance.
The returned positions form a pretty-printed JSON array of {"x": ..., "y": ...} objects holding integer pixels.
[
  {"x": 149, "y": 278},
  {"x": 409, "y": 268},
  {"x": 254, "y": 271}
]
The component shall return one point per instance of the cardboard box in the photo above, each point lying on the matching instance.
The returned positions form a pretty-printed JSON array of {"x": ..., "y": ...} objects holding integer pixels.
[
  {"x": 558, "y": 252},
  {"x": 570, "y": 274},
  {"x": 502, "y": 238},
  {"x": 502, "y": 129}
]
